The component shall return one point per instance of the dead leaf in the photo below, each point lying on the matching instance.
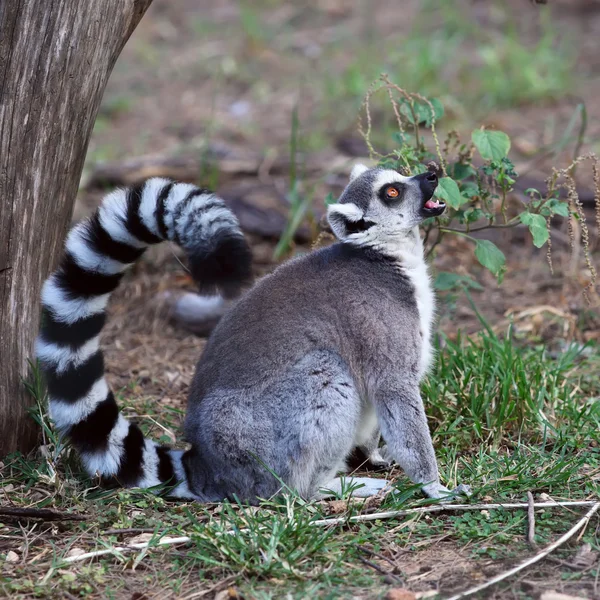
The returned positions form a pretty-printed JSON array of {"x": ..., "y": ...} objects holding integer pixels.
[
  {"x": 230, "y": 593},
  {"x": 400, "y": 594},
  {"x": 337, "y": 506},
  {"x": 585, "y": 557}
]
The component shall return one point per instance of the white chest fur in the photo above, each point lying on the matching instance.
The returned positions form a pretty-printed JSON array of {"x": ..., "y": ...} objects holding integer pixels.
[
  {"x": 411, "y": 260},
  {"x": 425, "y": 298}
]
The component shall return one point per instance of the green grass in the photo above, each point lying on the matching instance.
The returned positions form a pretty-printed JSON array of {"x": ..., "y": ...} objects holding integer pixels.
[
  {"x": 488, "y": 388},
  {"x": 507, "y": 418}
]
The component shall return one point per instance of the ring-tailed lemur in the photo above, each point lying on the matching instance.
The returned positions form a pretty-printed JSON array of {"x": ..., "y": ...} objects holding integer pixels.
[{"x": 302, "y": 369}]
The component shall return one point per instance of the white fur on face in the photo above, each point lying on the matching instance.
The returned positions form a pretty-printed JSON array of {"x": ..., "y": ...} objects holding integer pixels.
[
  {"x": 388, "y": 224},
  {"x": 395, "y": 221},
  {"x": 387, "y": 177},
  {"x": 339, "y": 214}
]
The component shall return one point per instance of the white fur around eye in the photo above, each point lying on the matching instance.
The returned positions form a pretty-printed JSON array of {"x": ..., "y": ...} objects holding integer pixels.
[{"x": 388, "y": 176}]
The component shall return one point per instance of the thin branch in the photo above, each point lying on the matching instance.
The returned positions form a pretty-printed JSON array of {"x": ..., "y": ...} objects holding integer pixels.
[
  {"x": 129, "y": 530},
  {"x": 44, "y": 514},
  {"x": 213, "y": 588},
  {"x": 388, "y": 575},
  {"x": 482, "y": 227},
  {"x": 581, "y": 135},
  {"x": 445, "y": 508},
  {"x": 166, "y": 541},
  {"x": 531, "y": 521},
  {"x": 169, "y": 541},
  {"x": 534, "y": 559},
  {"x": 378, "y": 555}
]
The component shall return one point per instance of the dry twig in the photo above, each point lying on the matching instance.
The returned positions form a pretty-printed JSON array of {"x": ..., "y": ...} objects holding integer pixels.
[
  {"x": 389, "y": 577},
  {"x": 531, "y": 521},
  {"x": 166, "y": 541},
  {"x": 534, "y": 559},
  {"x": 446, "y": 508},
  {"x": 43, "y": 514}
]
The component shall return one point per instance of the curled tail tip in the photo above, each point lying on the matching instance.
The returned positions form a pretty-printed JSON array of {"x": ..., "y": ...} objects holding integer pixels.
[
  {"x": 222, "y": 265},
  {"x": 200, "y": 222}
]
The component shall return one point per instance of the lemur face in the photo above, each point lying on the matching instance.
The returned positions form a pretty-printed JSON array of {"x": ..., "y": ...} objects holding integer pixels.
[{"x": 380, "y": 204}]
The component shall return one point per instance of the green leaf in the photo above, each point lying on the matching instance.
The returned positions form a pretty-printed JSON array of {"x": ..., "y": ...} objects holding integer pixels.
[
  {"x": 472, "y": 215},
  {"x": 460, "y": 171},
  {"x": 448, "y": 191},
  {"x": 446, "y": 281},
  {"x": 556, "y": 207},
  {"x": 561, "y": 208},
  {"x": 469, "y": 189},
  {"x": 388, "y": 163},
  {"x": 538, "y": 228},
  {"x": 438, "y": 111},
  {"x": 532, "y": 192},
  {"x": 492, "y": 145},
  {"x": 490, "y": 256},
  {"x": 400, "y": 138}
]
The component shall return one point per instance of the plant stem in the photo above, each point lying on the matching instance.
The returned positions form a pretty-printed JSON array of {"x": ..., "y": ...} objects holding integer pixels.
[
  {"x": 582, "y": 128},
  {"x": 415, "y": 124},
  {"x": 458, "y": 232},
  {"x": 512, "y": 223}
]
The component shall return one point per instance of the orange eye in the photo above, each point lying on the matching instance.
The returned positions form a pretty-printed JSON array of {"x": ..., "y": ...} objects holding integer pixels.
[{"x": 392, "y": 192}]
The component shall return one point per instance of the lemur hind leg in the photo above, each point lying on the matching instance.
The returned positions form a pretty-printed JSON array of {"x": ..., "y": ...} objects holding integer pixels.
[
  {"x": 300, "y": 425},
  {"x": 324, "y": 413}
]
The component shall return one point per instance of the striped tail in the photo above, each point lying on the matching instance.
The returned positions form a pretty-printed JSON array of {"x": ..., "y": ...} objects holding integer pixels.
[{"x": 74, "y": 299}]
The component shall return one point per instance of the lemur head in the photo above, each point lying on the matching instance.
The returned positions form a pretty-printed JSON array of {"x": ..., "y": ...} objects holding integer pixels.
[{"x": 382, "y": 206}]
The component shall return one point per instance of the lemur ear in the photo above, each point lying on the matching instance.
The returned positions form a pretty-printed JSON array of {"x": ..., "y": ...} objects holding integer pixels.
[
  {"x": 345, "y": 219},
  {"x": 357, "y": 170}
]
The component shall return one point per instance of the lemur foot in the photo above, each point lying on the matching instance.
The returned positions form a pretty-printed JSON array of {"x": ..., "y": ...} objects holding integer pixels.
[
  {"x": 357, "y": 487},
  {"x": 438, "y": 491},
  {"x": 379, "y": 458}
]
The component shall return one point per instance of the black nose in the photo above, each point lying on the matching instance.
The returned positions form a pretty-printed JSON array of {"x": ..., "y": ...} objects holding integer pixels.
[{"x": 427, "y": 182}]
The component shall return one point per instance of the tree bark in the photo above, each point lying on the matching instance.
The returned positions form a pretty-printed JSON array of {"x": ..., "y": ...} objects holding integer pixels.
[{"x": 55, "y": 59}]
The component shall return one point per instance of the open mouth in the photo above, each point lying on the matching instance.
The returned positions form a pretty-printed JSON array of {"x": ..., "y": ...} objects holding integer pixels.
[{"x": 433, "y": 207}]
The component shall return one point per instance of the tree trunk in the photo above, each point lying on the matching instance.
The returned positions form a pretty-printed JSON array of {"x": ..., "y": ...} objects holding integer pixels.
[{"x": 55, "y": 59}]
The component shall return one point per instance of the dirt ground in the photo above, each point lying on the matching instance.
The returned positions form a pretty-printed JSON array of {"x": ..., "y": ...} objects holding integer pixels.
[{"x": 227, "y": 76}]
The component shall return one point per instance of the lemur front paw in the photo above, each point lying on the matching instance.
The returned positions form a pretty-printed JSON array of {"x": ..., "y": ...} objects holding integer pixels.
[
  {"x": 440, "y": 492},
  {"x": 462, "y": 489}
]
